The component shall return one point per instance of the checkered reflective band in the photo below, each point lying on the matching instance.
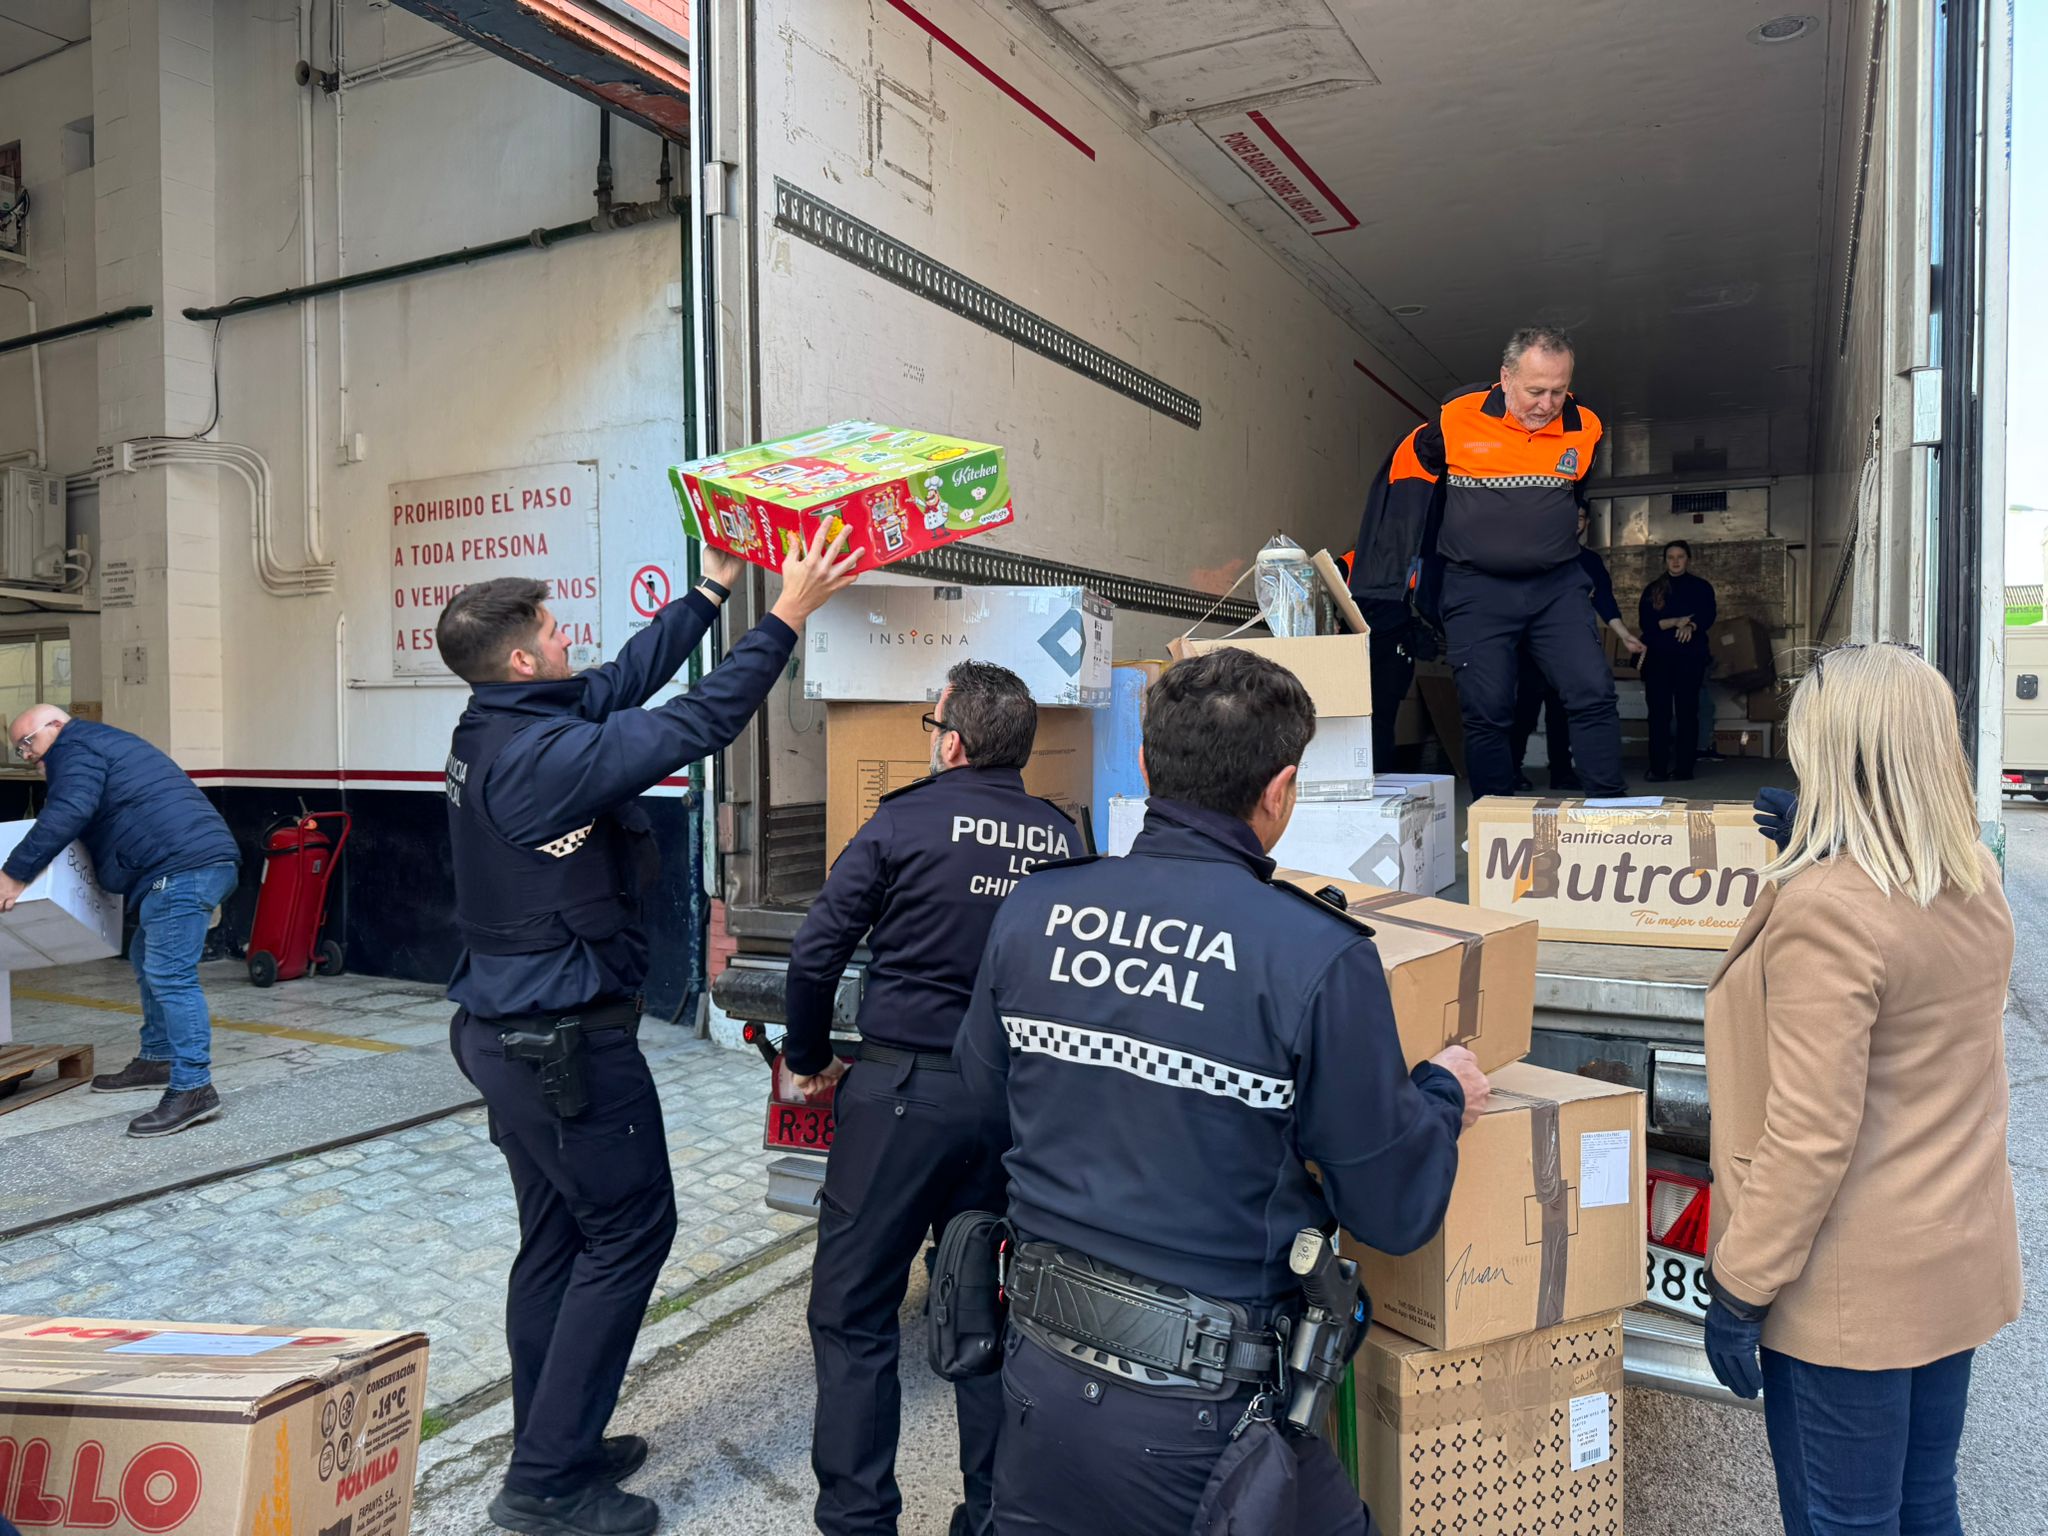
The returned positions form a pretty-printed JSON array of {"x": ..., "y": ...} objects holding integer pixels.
[
  {"x": 1511, "y": 482},
  {"x": 567, "y": 843},
  {"x": 1155, "y": 1063}
]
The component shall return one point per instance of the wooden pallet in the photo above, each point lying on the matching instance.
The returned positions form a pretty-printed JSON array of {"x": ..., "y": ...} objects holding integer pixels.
[{"x": 18, "y": 1063}]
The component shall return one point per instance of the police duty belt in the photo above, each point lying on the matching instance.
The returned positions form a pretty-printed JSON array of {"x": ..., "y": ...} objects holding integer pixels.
[{"x": 1158, "y": 1338}]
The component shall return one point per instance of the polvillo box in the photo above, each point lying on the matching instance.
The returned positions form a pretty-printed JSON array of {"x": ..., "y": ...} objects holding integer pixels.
[
  {"x": 1679, "y": 874},
  {"x": 1440, "y": 837},
  {"x": 1458, "y": 976},
  {"x": 1377, "y": 840},
  {"x": 62, "y": 917},
  {"x": 894, "y": 644},
  {"x": 1507, "y": 1439},
  {"x": 1545, "y": 1222},
  {"x": 898, "y": 492},
  {"x": 205, "y": 1429}
]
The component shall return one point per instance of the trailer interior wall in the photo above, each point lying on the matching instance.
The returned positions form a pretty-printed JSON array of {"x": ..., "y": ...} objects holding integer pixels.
[{"x": 864, "y": 108}]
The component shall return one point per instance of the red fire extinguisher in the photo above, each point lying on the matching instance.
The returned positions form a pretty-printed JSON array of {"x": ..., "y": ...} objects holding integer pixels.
[{"x": 291, "y": 905}]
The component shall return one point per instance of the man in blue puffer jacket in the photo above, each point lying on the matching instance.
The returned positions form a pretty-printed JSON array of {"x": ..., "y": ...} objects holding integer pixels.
[{"x": 155, "y": 839}]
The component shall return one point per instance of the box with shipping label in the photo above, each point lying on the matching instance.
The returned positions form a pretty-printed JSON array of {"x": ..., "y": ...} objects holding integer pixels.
[
  {"x": 1337, "y": 764},
  {"x": 203, "y": 1429},
  {"x": 888, "y": 644},
  {"x": 1545, "y": 1222},
  {"x": 1126, "y": 821},
  {"x": 1333, "y": 668},
  {"x": 1440, "y": 838},
  {"x": 1631, "y": 700},
  {"x": 874, "y": 749},
  {"x": 898, "y": 492},
  {"x": 1679, "y": 874},
  {"x": 63, "y": 916},
  {"x": 1741, "y": 651},
  {"x": 1458, "y": 976},
  {"x": 1523, "y": 1435},
  {"x": 1377, "y": 840},
  {"x": 1751, "y": 739}
]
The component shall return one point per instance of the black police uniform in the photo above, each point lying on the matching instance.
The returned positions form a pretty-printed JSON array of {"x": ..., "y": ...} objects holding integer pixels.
[
  {"x": 922, "y": 881},
  {"x": 1534, "y": 695},
  {"x": 551, "y": 853},
  {"x": 1170, "y": 1038}
]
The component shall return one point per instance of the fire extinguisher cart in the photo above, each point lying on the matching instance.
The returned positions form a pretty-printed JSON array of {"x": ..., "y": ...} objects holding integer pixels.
[{"x": 291, "y": 906}]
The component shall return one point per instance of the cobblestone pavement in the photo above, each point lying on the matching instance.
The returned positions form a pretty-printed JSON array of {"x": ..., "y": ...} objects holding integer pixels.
[{"x": 414, "y": 1229}]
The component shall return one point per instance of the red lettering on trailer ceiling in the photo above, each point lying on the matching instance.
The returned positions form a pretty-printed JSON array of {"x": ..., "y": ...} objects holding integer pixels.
[{"x": 1269, "y": 159}]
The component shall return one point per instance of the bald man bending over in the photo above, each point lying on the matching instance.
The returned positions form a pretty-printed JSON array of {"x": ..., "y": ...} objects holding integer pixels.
[{"x": 158, "y": 841}]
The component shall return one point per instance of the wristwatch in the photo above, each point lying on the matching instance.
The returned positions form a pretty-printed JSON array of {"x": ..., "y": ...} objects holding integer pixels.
[{"x": 717, "y": 591}]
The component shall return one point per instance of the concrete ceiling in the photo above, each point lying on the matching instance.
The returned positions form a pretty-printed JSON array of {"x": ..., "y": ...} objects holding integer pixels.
[
  {"x": 1642, "y": 172},
  {"x": 31, "y": 28}
]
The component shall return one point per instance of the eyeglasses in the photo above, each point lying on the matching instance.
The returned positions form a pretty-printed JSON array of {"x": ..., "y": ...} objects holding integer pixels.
[
  {"x": 21, "y": 746},
  {"x": 1820, "y": 657},
  {"x": 934, "y": 723}
]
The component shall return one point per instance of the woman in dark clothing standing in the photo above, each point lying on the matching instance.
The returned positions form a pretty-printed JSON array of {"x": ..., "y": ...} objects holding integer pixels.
[{"x": 1676, "y": 612}]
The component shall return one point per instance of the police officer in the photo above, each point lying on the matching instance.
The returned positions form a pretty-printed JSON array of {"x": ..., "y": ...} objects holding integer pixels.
[
  {"x": 1171, "y": 1038},
  {"x": 551, "y": 852},
  {"x": 922, "y": 882},
  {"x": 1508, "y": 461}
]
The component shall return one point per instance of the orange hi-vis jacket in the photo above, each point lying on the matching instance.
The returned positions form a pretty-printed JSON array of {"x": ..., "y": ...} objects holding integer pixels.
[{"x": 1511, "y": 496}]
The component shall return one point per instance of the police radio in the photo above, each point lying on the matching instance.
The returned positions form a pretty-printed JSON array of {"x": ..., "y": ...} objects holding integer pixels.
[{"x": 1322, "y": 1343}]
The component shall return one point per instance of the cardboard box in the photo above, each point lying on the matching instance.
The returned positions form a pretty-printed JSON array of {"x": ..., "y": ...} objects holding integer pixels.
[
  {"x": 874, "y": 749},
  {"x": 206, "y": 1429},
  {"x": 1748, "y": 740},
  {"x": 1545, "y": 1222},
  {"x": 1377, "y": 840},
  {"x": 1631, "y": 701},
  {"x": 1458, "y": 976},
  {"x": 1516, "y": 1437},
  {"x": 1335, "y": 669},
  {"x": 1672, "y": 873},
  {"x": 888, "y": 644},
  {"x": 900, "y": 492},
  {"x": 62, "y": 917},
  {"x": 1742, "y": 653},
  {"x": 1440, "y": 837},
  {"x": 1338, "y": 762}
]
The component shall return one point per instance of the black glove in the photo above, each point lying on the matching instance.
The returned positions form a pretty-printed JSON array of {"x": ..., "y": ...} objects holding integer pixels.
[
  {"x": 1735, "y": 1332},
  {"x": 1775, "y": 809},
  {"x": 1421, "y": 642}
]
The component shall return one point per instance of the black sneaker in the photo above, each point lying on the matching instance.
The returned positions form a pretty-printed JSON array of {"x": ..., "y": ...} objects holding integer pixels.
[
  {"x": 600, "y": 1509},
  {"x": 622, "y": 1456},
  {"x": 139, "y": 1073},
  {"x": 177, "y": 1112}
]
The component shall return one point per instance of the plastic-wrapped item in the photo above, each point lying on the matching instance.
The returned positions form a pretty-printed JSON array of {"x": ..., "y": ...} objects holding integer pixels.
[{"x": 1286, "y": 584}]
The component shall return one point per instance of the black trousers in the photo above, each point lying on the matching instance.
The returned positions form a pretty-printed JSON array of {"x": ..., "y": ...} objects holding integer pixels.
[
  {"x": 1487, "y": 622},
  {"x": 1533, "y": 696},
  {"x": 907, "y": 1156},
  {"x": 1672, "y": 690},
  {"x": 1081, "y": 1455},
  {"x": 597, "y": 1212},
  {"x": 1392, "y": 675}
]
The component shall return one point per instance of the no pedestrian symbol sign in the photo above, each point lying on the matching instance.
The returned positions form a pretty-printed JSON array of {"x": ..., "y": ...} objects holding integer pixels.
[{"x": 650, "y": 590}]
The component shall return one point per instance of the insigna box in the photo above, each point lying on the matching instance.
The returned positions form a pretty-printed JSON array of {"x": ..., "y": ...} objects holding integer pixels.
[
  {"x": 1677, "y": 874},
  {"x": 900, "y": 492},
  {"x": 205, "y": 1429},
  {"x": 890, "y": 644},
  {"x": 62, "y": 917}
]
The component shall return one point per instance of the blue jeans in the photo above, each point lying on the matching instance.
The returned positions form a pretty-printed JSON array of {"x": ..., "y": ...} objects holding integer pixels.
[
  {"x": 1871, "y": 1452},
  {"x": 172, "y": 916}
]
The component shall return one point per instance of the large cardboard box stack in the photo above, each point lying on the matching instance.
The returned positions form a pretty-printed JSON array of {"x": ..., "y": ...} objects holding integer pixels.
[
  {"x": 1678, "y": 874},
  {"x": 874, "y": 749},
  {"x": 204, "y": 1429},
  {"x": 899, "y": 493},
  {"x": 1520, "y": 1435},
  {"x": 876, "y": 643}
]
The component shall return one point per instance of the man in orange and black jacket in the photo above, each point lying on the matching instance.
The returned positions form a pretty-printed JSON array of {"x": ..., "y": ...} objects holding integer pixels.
[{"x": 1490, "y": 492}]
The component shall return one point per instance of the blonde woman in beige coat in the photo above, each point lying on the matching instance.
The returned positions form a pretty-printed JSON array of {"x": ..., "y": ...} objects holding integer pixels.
[{"x": 1863, "y": 1237}]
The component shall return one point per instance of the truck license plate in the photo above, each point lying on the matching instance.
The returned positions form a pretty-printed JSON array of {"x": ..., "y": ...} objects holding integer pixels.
[
  {"x": 1677, "y": 1282},
  {"x": 806, "y": 1127}
]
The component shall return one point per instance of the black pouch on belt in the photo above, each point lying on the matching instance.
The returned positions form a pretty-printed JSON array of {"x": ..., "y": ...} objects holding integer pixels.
[{"x": 965, "y": 1309}]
